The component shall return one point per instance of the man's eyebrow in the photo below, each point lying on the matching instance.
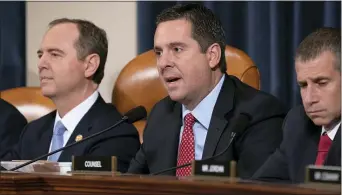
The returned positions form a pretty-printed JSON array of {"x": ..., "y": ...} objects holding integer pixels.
[
  {"x": 301, "y": 83},
  {"x": 40, "y": 51},
  {"x": 320, "y": 78},
  {"x": 174, "y": 44},
  {"x": 315, "y": 80},
  {"x": 156, "y": 48}
]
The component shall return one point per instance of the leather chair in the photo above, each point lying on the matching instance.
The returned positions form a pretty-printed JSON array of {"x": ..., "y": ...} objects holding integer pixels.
[
  {"x": 29, "y": 101},
  {"x": 138, "y": 82}
]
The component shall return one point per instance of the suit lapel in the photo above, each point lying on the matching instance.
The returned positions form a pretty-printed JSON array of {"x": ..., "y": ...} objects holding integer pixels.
[
  {"x": 83, "y": 128},
  {"x": 219, "y": 118},
  {"x": 45, "y": 137},
  {"x": 170, "y": 141},
  {"x": 334, "y": 155},
  {"x": 307, "y": 150}
]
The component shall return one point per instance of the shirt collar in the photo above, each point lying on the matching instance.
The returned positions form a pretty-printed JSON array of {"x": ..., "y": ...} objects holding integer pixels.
[
  {"x": 74, "y": 116},
  {"x": 331, "y": 133},
  {"x": 204, "y": 110}
]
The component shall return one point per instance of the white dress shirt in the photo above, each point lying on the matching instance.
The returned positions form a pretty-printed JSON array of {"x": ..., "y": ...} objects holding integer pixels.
[
  {"x": 73, "y": 117},
  {"x": 202, "y": 112},
  {"x": 331, "y": 133}
]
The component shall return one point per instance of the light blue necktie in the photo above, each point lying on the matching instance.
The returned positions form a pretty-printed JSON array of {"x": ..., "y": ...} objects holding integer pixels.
[{"x": 57, "y": 140}]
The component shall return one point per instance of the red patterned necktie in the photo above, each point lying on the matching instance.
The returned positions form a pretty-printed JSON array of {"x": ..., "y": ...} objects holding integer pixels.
[
  {"x": 186, "y": 152},
  {"x": 323, "y": 148}
]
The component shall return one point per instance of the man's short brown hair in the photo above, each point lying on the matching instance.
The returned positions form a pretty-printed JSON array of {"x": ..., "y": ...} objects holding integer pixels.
[
  {"x": 92, "y": 39},
  {"x": 321, "y": 40}
]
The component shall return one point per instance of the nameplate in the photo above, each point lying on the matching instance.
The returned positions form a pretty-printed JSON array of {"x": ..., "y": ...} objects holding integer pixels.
[
  {"x": 94, "y": 163},
  {"x": 323, "y": 174},
  {"x": 214, "y": 168}
]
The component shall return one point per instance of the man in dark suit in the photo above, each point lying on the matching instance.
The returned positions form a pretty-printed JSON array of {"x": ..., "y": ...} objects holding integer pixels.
[
  {"x": 195, "y": 120},
  {"x": 12, "y": 123},
  {"x": 71, "y": 64},
  {"x": 312, "y": 132}
]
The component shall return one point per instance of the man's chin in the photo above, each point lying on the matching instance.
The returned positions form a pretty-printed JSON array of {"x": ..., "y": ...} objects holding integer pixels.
[
  {"x": 48, "y": 93},
  {"x": 176, "y": 96},
  {"x": 320, "y": 121}
]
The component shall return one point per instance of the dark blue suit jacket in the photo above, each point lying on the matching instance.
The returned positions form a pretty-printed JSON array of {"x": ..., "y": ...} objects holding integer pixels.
[
  {"x": 298, "y": 149},
  {"x": 122, "y": 141},
  {"x": 12, "y": 122},
  {"x": 251, "y": 149}
]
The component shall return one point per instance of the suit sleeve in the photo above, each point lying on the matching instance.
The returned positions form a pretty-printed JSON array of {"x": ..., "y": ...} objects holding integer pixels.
[
  {"x": 275, "y": 169},
  {"x": 139, "y": 164},
  {"x": 14, "y": 153},
  {"x": 260, "y": 139},
  {"x": 123, "y": 146},
  {"x": 12, "y": 123}
]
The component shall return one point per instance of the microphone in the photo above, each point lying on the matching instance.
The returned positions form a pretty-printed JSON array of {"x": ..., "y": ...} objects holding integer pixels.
[
  {"x": 239, "y": 125},
  {"x": 131, "y": 116}
]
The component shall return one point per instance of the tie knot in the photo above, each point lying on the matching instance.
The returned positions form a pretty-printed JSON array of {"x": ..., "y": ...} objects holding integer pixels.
[
  {"x": 59, "y": 128},
  {"x": 324, "y": 142},
  {"x": 189, "y": 120},
  {"x": 325, "y": 136}
]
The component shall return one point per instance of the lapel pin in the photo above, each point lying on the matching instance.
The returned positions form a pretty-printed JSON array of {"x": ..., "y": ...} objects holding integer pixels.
[{"x": 78, "y": 138}]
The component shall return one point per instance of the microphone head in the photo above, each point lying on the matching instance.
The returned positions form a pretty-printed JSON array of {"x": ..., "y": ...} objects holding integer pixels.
[
  {"x": 135, "y": 114},
  {"x": 241, "y": 122}
]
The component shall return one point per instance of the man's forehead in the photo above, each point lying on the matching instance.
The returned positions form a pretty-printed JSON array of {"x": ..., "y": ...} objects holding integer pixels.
[
  {"x": 60, "y": 36},
  {"x": 321, "y": 65},
  {"x": 67, "y": 26},
  {"x": 313, "y": 73},
  {"x": 178, "y": 24},
  {"x": 325, "y": 60},
  {"x": 67, "y": 31},
  {"x": 175, "y": 29}
]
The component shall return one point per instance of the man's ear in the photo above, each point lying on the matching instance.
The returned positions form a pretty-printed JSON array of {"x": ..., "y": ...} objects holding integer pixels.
[
  {"x": 92, "y": 63},
  {"x": 214, "y": 55}
]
